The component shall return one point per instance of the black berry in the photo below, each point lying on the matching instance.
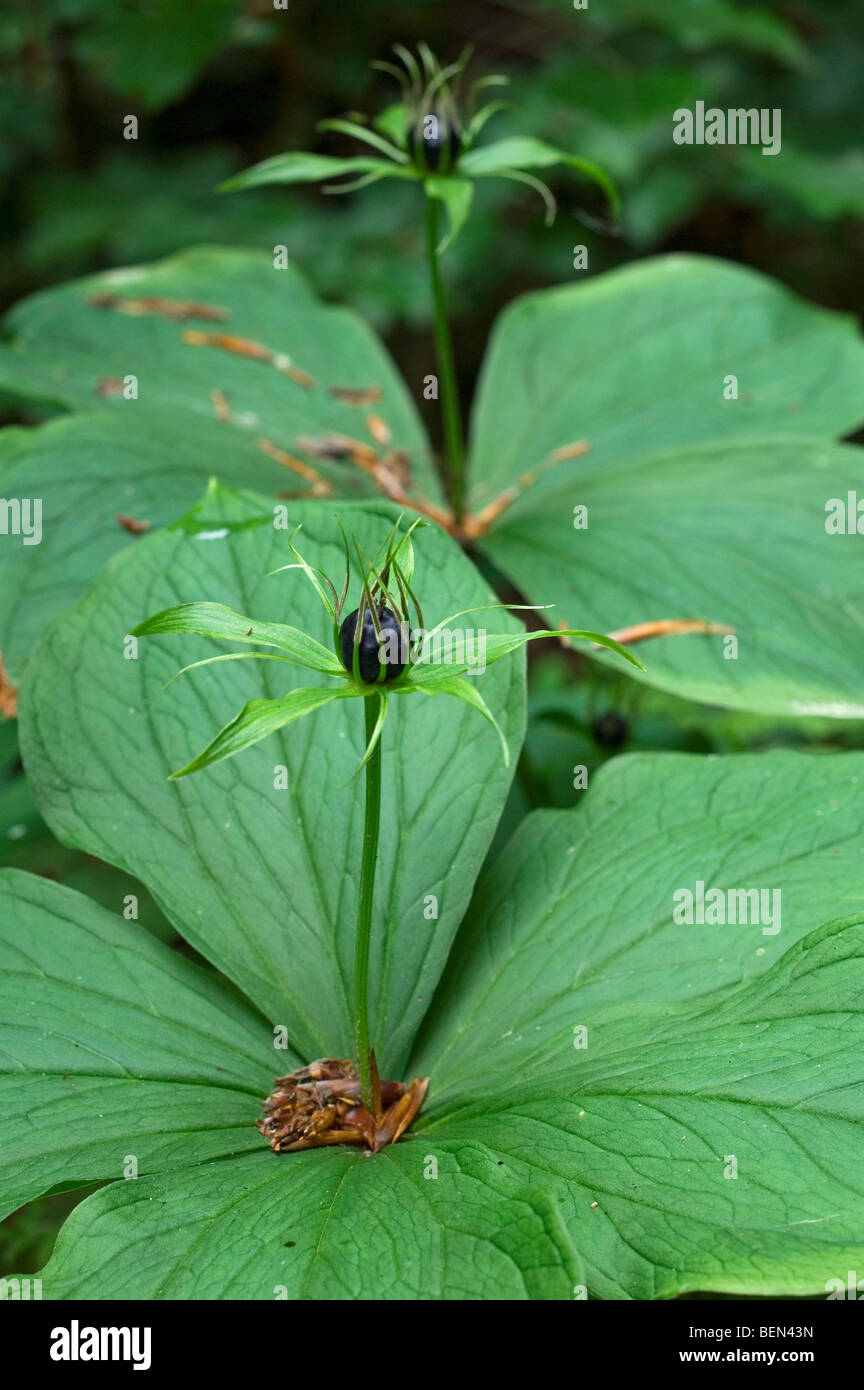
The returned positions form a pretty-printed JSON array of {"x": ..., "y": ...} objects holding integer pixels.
[{"x": 371, "y": 659}]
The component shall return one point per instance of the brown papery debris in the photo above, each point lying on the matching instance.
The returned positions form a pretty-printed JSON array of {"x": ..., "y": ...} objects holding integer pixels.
[
  {"x": 8, "y": 695},
  {"x": 320, "y": 1105},
  {"x": 132, "y": 524},
  {"x": 361, "y": 396},
  {"x": 245, "y": 347},
  {"x": 667, "y": 627},
  {"x": 177, "y": 309}
]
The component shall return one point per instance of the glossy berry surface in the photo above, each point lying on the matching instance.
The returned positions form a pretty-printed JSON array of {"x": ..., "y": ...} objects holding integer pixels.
[{"x": 370, "y": 659}]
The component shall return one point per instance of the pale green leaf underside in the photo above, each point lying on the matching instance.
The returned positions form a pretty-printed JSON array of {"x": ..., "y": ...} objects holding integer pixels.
[
  {"x": 260, "y": 877},
  {"x": 699, "y": 507}
]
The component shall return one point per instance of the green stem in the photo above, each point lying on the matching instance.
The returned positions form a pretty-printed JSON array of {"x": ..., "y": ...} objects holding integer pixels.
[
  {"x": 453, "y": 439},
  {"x": 368, "y": 862}
]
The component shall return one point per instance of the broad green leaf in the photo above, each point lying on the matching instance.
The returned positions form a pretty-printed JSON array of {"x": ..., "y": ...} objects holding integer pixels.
[
  {"x": 114, "y": 1047},
  {"x": 632, "y": 363},
  {"x": 141, "y": 1055},
  {"x": 601, "y": 931},
  {"x": 714, "y": 1148},
  {"x": 700, "y": 508},
  {"x": 27, "y": 844},
  {"x": 146, "y": 460},
  {"x": 262, "y": 877},
  {"x": 703, "y": 1043},
  {"x": 95, "y": 474},
  {"x": 707, "y": 1136},
  {"x": 734, "y": 536},
  {"x": 325, "y": 1224},
  {"x": 64, "y": 349}
]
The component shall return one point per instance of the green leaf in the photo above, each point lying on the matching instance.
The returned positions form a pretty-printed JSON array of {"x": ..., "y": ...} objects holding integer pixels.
[
  {"x": 370, "y": 137},
  {"x": 464, "y": 690},
  {"x": 63, "y": 346},
  {"x": 824, "y": 186},
  {"x": 698, "y": 507},
  {"x": 217, "y": 621},
  {"x": 517, "y": 176},
  {"x": 261, "y": 877},
  {"x": 519, "y": 152},
  {"x": 127, "y": 46},
  {"x": 91, "y": 472},
  {"x": 429, "y": 674},
  {"x": 257, "y": 720},
  {"x": 703, "y": 1042},
  {"x": 707, "y": 1136},
  {"x": 113, "y": 1046},
  {"x": 324, "y": 1224},
  {"x": 721, "y": 1147},
  {"x": 301, "y": 167},
  {"x": 456, "y": 195},
  {"x": 391, "y": 122},
  {"x": 481, "y": 118},
  {"x": 147, "y": 459}
]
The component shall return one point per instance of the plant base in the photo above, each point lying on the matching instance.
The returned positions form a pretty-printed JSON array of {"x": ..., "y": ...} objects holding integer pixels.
[{"x": 320, "y": 1105}]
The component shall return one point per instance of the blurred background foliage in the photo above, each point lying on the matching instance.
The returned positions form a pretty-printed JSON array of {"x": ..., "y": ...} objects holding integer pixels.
[{"x": 219, "y": 84}]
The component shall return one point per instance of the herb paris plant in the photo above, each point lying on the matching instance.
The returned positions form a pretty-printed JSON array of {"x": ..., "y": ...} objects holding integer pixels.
[
  {"x": 368, "y": 668},
  {"x": 617, "y": 1104},
  {"x": 428, "y": 137},
  {"x": 535, "y": 1168}
]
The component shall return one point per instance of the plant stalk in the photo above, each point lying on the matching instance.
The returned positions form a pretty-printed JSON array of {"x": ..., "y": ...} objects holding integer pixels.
[
  {"x": 368, "y": 861},
  {"x": 452, "y": 416}
]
